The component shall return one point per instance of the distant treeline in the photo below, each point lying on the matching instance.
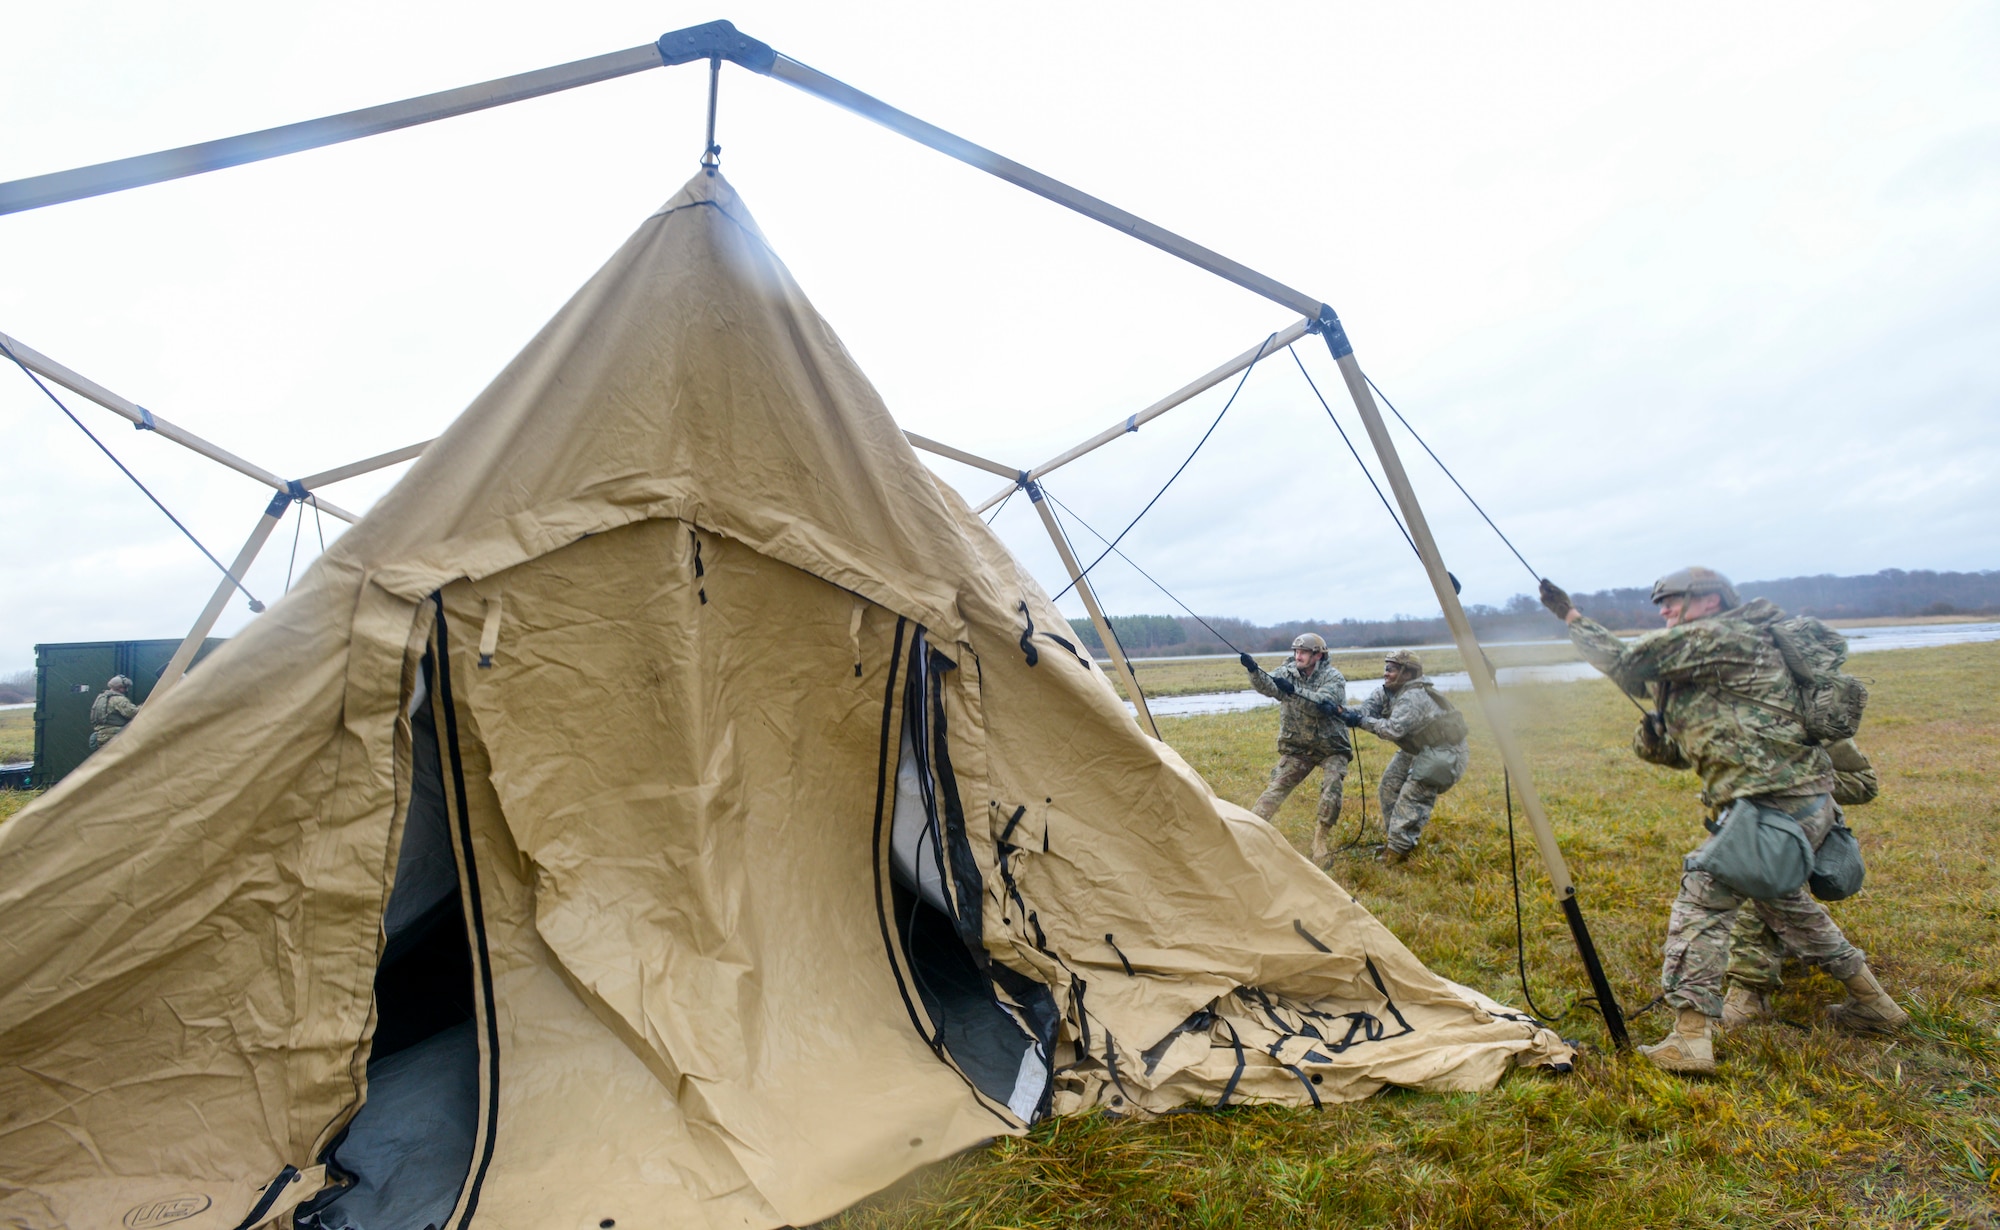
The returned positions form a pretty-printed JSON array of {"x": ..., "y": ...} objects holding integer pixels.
[{"x": 1892, "y": 592}]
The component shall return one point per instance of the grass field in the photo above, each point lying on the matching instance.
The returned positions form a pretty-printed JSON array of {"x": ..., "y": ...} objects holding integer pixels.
[
  {"x": 1802, "y": 1127},
  {"x": 17, "y": 735}
]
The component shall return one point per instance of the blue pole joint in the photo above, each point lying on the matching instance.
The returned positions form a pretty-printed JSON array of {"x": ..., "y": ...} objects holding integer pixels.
[
  {"x": 276, "y": 508},
  {"x": 145, "y": 422},
  {"x": 1329, "y": 325},
  {"x": 294, "y": 490},
  {"x": 716, "y": 40},
  {"x": 1034, "y": 490}
]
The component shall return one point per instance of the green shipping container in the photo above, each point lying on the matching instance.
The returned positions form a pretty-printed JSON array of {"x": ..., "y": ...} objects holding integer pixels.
[{"x": 68, "y": 678}]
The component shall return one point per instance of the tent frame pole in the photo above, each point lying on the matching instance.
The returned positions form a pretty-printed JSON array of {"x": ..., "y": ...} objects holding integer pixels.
[
  {"x": 205, "y": 623},
  {"x": 1483, "y": 683},
  {"x": 1097, "y": 619},
  {"x": 143, "y": 419},
  {"x": 1179, "y": 397}
]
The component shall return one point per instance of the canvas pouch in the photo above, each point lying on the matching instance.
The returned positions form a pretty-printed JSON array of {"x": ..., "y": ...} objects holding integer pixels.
[
  {"x": 1757, "y": 852},
  {"x": 1837, "y": 871},
  {"x": 1436, "y": 767}
]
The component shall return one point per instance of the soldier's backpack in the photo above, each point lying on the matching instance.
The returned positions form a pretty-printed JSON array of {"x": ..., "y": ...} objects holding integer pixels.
[
  {"x": 1447, "y": 728},
  {"x": 1831, "y": 701}
]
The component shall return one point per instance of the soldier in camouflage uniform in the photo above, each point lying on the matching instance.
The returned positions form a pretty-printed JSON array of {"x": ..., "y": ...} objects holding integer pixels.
[
  {"x": 1431, "y": 751},
  {"x": 110, "y": 711},
  {"x": 1756, "y": 952},
  {"x": 1725, "y": 706},
  {"x": 1309, "y": 692}
]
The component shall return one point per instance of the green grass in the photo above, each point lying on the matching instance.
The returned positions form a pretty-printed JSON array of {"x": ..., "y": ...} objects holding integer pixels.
[
  {"x": 1802, "y": 1127},
  {"x": 17, "y": 735}
]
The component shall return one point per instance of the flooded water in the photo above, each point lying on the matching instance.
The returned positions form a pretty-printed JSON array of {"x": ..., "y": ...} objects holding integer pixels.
[
  {"x": 26, "y": 704},
  {"x": 1918, "y": 636},
  {"x": 1859, "y": 640}
]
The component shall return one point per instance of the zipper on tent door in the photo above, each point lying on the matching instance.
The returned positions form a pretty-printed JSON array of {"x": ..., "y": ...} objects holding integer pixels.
[{"x": 485, "y": 1013}]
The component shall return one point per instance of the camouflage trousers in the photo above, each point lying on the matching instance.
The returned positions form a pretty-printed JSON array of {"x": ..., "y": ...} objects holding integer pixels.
[
  {"x": 1291, "y": 769},
  {"x": 1699, "y": 951},
  {"x": 1410, "y": 789},
  {"x": 101, "y": 735}
]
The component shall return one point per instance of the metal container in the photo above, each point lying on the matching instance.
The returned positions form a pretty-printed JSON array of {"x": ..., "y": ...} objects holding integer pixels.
[{"x": 68, "y": 678}]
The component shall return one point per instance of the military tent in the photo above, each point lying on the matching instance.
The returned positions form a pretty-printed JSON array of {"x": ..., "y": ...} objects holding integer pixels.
[{"x": 668, "y": 807}]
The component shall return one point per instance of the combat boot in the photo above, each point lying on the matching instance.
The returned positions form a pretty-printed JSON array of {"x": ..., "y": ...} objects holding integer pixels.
[
  {"x": 1743, "y": 1006},
  {"x": 1396, "y": 858},
  {"x": 1868, "y": 1009},
  {"x": 1321, "y": 855},
  {"x": 1689, "y": 1048}
]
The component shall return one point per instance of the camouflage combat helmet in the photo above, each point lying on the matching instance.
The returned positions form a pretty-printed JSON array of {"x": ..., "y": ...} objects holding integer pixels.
[
  {"x": 119, "y": 681},
  {"x": 1309, "y": 640},
  {"x": 1407, "y": 659},
  {"x": 1695, "y": 581}
]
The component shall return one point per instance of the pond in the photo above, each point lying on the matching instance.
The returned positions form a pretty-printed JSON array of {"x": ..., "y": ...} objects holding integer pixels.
[{"x": 1859, "y": 640}]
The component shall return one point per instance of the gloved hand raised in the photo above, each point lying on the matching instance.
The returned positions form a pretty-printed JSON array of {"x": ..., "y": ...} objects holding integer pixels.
[
  {"x": 1284, "y": 685},
  {"x": 1351, "y": 716},
  {"x": 1554, "y": 598},
  {"x": 1249, "y": 663}
]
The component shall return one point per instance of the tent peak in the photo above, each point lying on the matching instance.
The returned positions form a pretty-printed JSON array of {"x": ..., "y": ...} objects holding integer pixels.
[{"x": 707, "y": 189}]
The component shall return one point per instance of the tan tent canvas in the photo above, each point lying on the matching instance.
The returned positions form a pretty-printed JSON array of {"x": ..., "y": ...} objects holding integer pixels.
[{"x": 668, "y": 807}]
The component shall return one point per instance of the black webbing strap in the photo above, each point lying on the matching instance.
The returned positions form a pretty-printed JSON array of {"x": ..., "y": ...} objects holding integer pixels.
[{"x": 1121, "y": 955}]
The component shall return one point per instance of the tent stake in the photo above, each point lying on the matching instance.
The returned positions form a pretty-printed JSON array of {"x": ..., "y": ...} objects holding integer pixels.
[
  {"x": 178, "y": 664},
  {"x": 1097, "y": 618}
]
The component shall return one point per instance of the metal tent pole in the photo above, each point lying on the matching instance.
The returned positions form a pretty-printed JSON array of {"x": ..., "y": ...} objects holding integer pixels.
[
  {"x": 1097, "y": 618},
  {"x": 145, "y": 420},
  {"x": 1076, "y": 574},
  {"x": 57, "y": 187},
  {"x": 205, "y": 623},
  {"x": 1181, "y": 396},
  {"x": 313, "y": 482},
  {"x": 1483, "y": 682}
]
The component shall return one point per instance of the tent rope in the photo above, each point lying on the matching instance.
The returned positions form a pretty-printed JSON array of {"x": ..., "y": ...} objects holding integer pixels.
[
  {"x": 1109, "y": 626},
  {"x": 1448, "y": 474},
  {"x": 1113, "y": 547},
  {"x": 1003, "y": 505},
  {"x": 234, "y": 579},
  {"x": 1365, "y": 473},
  {"x": 1520, "y": 942},
  {"x": 1183, "y": 466}
]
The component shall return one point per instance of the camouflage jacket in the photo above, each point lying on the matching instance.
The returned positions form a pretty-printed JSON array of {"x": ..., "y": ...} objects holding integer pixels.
[
  {"x": 1407, "y": 717},
  {"x": 111, "y": 710},
  {"x": 1728, "y": 699},
  {"x": 1302, "y": 729}
]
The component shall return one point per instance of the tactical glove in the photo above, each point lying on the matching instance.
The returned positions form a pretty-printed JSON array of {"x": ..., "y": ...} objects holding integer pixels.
[
  {"x": 1350, "y": 716},
  {"x": 1327, "y": 707},
  {"x": 1554, "y": 598},
  {"x": 1249, "y": 663},
  {"x": 1284, "y": 685}
]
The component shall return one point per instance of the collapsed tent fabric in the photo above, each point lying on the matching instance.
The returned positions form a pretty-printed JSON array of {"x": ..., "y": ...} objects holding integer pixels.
[{"x": 668, "y": 806}]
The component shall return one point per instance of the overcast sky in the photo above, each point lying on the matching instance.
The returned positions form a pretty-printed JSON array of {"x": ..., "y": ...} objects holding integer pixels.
[{"x": 1697, "y": 283}]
